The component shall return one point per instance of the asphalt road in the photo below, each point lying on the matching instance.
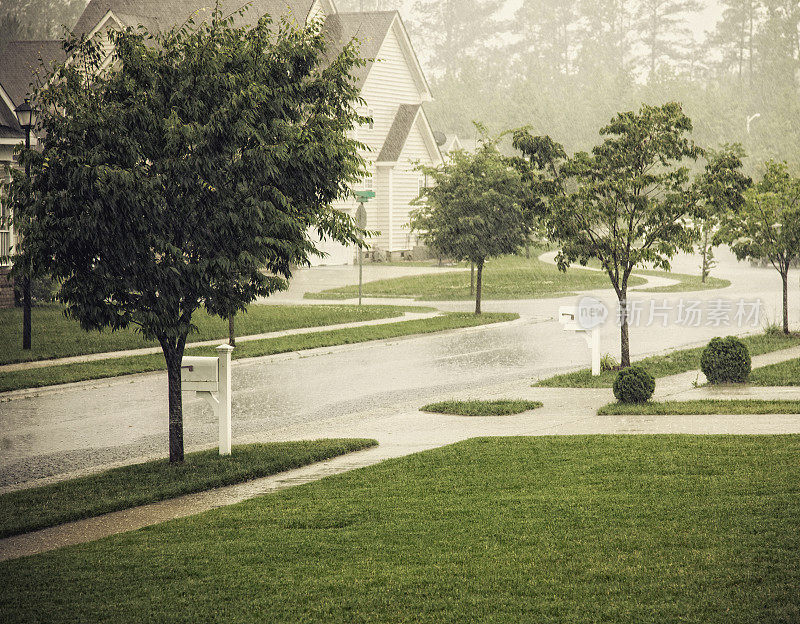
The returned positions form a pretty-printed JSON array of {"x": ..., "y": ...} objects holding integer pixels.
[{"x": 83, "y": 427}]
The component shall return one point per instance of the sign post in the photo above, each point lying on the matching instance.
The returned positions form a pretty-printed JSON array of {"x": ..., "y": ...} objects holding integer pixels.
[{"x": 361, "y": 221}]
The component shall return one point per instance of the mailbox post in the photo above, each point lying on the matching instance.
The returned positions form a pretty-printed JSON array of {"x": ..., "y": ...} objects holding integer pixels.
[
  {"x": 569, "y": 317},
  {"x": 210, "y": 378}
]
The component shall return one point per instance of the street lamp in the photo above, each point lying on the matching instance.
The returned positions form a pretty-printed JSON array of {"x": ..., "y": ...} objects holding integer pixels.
[{"x": 26, "y": 115}]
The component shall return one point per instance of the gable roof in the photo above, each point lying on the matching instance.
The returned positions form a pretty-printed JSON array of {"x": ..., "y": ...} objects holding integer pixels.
[
  {"x": 164, "y": 14},
  {"x": 370, "y": 29},
  {"x": 20, "y": 62},
  {"x": 398, "y": 134}
]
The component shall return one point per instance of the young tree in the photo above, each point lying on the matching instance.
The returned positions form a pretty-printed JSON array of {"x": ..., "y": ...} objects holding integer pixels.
[
  {"x": 767, "y": 226},
  {"x": 720, "y": 191},
  {"x": 472, "y": 209},
  {"x": 631, "y": 204},
  {"x": 175, "y": 180}
]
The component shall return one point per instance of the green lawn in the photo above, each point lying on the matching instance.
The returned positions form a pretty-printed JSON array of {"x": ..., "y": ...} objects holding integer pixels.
[
  {"x": 686, "y": 283},
  {"x": 509, "y": 277},
  {"x": 55, "y": 336},
  {"x": 570, "y": 530},
  {"x": 781, "y": 374},
  {"x": 671, "y": 364},
  {"x": 481, "y": 408},
  {"x": 139, "y": 484},
  {"x": 701, "y": 407},
  {"x": 67, "y": 373}
]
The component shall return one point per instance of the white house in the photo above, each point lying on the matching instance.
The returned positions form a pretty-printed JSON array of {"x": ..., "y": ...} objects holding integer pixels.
[{"x": 393, "y": 86}]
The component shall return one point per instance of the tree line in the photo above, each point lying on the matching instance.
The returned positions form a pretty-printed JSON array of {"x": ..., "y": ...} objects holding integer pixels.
[
  {"x": 632, "y": 201},
  {"x": 567, "y": 67}
]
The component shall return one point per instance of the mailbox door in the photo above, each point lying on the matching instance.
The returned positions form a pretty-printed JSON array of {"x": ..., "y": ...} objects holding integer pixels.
[{"x": 200, "y": 374}]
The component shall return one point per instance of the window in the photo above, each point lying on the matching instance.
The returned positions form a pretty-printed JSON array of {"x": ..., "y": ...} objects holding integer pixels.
[{"x": 368, "y": 183}]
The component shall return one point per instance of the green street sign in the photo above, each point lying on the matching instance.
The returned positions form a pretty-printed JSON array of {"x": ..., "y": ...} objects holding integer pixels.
[{"x": 364, "y": 196}]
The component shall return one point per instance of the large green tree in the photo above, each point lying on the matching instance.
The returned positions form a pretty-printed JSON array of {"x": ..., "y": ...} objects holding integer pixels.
[
  {"x": 767, "y": 225},
  {"x": 473, "y": 210},
  {"x": 629, "y": 202},
  {"x": 189, "y": 175},
  {"x": 720, "y": 188}
]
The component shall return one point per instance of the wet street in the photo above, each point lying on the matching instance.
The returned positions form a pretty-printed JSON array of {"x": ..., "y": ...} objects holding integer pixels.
[{"x": 357, "y": 390}]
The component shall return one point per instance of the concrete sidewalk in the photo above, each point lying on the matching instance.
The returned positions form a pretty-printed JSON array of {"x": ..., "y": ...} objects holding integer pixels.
[
  {"x": 94, "y": 357},
  {"x": 566, "y": 411}
]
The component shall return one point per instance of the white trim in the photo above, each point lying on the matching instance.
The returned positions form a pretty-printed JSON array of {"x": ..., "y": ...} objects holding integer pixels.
[
  {"x": 391, "y": 210},
  {"x": 411, "y": 55},
  {"x": 103, "y": 20},
  {"x": 7, "y": 99}
]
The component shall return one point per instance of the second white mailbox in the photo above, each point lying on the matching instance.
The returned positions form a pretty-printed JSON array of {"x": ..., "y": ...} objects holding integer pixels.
[{"x": 200, "y": 374}]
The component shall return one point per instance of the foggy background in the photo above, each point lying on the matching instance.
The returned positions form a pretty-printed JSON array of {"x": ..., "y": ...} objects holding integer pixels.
[{"x": 565, "y": 68}]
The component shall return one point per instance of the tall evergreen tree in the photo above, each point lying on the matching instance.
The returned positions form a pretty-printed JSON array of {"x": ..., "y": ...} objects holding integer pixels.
[
  {"x": 663, "y": 25},
  {"x": 454, "y": 31}
]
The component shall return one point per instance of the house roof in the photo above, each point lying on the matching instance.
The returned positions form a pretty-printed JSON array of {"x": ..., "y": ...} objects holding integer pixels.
[
  {"x": 398, "y": 134},
  {"x": 164, "y": 14},
  {"x": 19, "y": 63},
  {"x": 369, "y": 28}
]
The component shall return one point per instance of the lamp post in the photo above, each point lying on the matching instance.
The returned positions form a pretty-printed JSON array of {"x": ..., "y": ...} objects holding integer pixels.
[{"x": 26, "y": 115}]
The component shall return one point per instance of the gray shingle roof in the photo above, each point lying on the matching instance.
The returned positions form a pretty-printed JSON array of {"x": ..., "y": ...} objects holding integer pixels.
[
  {"x": 398, "y": 134},
  {"x": 370, "y": 29},
  {"x": 165, "y": 14},
  {"x": 19, "y": 63}
]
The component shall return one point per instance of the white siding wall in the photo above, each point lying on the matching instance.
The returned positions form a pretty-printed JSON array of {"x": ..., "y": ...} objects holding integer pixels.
[
  {"x": 388, "y": 85},
  {"x": 406, "y": 186}
]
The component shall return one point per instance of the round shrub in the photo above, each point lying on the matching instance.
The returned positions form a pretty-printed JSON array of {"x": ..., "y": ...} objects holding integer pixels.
[
  {"x": 726, "y": 360},
  {"x": 634, "y": 385}
]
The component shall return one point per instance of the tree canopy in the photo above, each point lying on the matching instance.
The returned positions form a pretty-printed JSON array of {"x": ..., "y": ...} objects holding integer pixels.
[
  {"x": 630, "y": 202},
  {"x": 473, "y": 208},
  {"x": 767, "y": 225},
  {"x": 188, "y": 175}
]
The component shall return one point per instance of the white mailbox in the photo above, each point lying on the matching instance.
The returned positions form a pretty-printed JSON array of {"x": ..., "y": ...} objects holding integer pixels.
[
  {"x": 210, "y": 378},
  {"x": 200, "y": 374},
  {"x": 582, "y": 319}
]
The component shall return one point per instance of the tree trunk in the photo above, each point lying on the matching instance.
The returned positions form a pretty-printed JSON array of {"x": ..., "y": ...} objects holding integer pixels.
[
  {"x": 231, "y": 331},
  {"x": 785, "y": 279},
  {"x": 624, "y": 340},
  {"x": 173, "y": 358},
  {"x": 478, "y": 286},
  {"x": 26, "y": 312},
  {"x": 471, "y": 279}
]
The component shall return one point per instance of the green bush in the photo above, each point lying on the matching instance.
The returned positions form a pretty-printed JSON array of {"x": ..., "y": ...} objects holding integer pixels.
[
  {"x": 634, "y": 385},
  {"x": 726, "y": 360}
]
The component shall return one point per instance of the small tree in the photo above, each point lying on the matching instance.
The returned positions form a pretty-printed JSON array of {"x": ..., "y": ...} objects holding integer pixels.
[
  {"x": 631, "y": 204},
  {"x": 720, "y": 190},
  {"x": 767, "y": 226},
  {"x": 174, "y": 180},
  {"x": 472, "y": 209}
]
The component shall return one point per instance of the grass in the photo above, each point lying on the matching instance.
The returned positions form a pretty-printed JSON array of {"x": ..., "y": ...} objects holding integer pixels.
[
  {"x": 781, "y": 374},
  {"x": 701, "y": 407},
  {"x": 686, "y": 283},
  {"x": 508, "y": 277},
  {"x": 673, "y": 363},
  {"x": 55, "y": 336},
  {"x": 482, "y": 408},
  {"x": 139, "y": 484},
  {"x": 68, "y": 373},
  {"x": 563, "y": 530}
]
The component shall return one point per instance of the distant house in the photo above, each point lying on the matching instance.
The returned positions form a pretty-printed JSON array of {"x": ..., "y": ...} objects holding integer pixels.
[{"x": 392, "y": 84}]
